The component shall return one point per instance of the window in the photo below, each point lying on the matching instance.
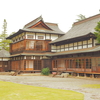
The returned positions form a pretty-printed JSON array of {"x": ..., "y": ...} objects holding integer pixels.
[
  {"x": 39, "y": 45},
  {"x": 41, "y": 37},
  {"x": 99, "y": 62},
  {"x": 77, "y": 63},
  {"x": 0, "y": 64},
  {"x": 5, "y": 64},
  {"x": 88, "y": 63},
  {"x": 37, "y": 57},
  {"x": 30, "y": 36},
  {"x": 29, "y": 44},
  {"x": 37, "y": 64},
  {"x": 28, "y": 57},
  {"x": 55, "y": 63}
]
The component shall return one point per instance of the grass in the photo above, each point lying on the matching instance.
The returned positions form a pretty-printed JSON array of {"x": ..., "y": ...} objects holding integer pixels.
[
  {"x": 14, "y": 91},
  {"x": 91, "y": 85}
]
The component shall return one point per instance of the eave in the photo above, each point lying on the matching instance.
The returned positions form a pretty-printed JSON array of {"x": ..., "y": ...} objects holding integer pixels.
[{"x": 75, "y": 39}]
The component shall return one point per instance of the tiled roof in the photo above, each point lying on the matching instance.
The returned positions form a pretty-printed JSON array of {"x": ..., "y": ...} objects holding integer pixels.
[
  {"x": 53, "y": 28},
  {"x": 4, "y": 53},
  {"x": 80, "y": 28}
]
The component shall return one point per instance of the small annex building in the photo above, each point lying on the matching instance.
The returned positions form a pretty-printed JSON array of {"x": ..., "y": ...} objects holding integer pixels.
[
  {"x": 4, "y": 60},
  {"x": 40, "y": 44}
]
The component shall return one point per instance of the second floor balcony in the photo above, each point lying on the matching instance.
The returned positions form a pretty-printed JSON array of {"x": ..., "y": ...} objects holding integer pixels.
[{"x": 30, "y": 46}]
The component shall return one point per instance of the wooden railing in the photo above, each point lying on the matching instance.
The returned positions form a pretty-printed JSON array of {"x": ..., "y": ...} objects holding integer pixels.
[{"x": 22, "y": 47}]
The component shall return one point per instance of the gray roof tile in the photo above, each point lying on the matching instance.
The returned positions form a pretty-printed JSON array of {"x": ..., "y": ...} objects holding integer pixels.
[
  {"x": 80, "y": 28},
  {"x": 4, "y": 53}
]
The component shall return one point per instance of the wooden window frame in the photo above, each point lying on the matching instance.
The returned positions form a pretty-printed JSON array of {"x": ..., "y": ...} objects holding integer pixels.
[
  {"x": 41, "y": 37},
  {"x": 30, "y": 36}
]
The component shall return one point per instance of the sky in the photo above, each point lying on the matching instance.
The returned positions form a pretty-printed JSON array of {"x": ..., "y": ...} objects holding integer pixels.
[{"x": 63, "y": 12}]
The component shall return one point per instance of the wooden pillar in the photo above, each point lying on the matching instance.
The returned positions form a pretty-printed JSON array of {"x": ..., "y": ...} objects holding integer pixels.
[
  {"x": 92, "y": 75},
  {"x": 84, "y": 74},
  {"x": 78, "y": 75}
]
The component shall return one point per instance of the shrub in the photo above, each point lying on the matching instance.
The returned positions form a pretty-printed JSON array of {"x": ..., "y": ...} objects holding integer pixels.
[{"x": 45, "y": 71}]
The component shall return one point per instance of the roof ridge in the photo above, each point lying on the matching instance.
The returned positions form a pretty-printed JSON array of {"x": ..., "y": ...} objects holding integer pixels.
[
  {"x": 38, "y": 18},
  {"x": 86, "y": 19}
]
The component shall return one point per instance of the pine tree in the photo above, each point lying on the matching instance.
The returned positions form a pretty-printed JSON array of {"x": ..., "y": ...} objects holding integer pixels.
[
  {"x": 97, "y": 32},
  {"x": 80, "y": 17},
  {"x": 4, "y": 43}
]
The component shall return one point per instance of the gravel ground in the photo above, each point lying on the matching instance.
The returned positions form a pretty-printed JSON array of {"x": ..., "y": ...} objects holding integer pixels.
[{"x": 69, "y": 83}]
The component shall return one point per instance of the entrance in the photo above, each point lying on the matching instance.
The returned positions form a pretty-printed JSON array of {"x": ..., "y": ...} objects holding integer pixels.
[{"x": 29, "y": 65}]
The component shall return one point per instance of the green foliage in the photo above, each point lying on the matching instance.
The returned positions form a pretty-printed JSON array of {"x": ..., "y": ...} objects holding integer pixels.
[
  {"x": 97, "y": 32},
  {"x": 45, "y": 71},
  {"x": 14, "y": 91},
  {"x": 81, "y": 17},
  {"x": 4, "y": 43}
]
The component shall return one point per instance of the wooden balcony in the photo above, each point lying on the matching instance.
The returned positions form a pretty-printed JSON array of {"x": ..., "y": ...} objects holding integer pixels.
[{"x": 30, "y": 46}]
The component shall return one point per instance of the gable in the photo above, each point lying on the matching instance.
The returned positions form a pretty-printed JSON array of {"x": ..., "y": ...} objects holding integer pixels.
[{"x": 40, "y": 25}]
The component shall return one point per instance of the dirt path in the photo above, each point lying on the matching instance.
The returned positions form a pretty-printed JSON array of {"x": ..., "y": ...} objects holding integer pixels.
[{"x": 59, "y": 83}]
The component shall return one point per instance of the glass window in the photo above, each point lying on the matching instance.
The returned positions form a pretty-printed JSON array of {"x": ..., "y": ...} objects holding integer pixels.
[
  {"x": 84, "y": 42},
  {"x": 79, "y": 47},
  {"x": 71, "y": 48},
  {"x": 30, "y": 36},
  {"x": 77, "y": 63},
  {"x": 79, "y": 43},
  {"x": 62, "y": 46},
  {"x": 41, "y": 37},
  {"x": 75, "y": 48},
  {"x": 66, "y": 45},
  {"x": 75, "y": 44},
  {"x": 89, "y": 41},
  {"x": 62, "y": 49},
  {"x": 89, "y": 45},
  {"x": 84, "y": 46},
  {"x": 71, "y": 44},
  {"x": 66, "y": 49}
]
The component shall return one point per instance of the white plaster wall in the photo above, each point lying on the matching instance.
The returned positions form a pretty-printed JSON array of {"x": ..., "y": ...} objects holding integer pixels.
[
  {"x": 90, "y": 45},
  {"x": 84, "y": 46},
  {"x": 54, "y": 36},
  {"x": 4, "y": 59},
  {"x": 53, "y": 50},
  {"x": 47, "y": 36},
  {"x": 95, "y": 41}
]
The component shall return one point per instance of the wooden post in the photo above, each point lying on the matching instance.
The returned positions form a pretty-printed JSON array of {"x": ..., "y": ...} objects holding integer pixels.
[
  {"x": 92, "y": 75},
  {"x": 84, "y": 75},
  {"x": 78, "y": 75}
]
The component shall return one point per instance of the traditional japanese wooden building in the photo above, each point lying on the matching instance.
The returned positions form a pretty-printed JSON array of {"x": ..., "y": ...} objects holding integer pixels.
[
  {"x": 30, "y": 49},
  {"x": 78, "y": 51},
  {"x": 40, "y": 44}
]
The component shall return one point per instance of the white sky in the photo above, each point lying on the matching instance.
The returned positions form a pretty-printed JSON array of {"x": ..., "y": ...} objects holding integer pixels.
[{"x": 64, "y": 12}]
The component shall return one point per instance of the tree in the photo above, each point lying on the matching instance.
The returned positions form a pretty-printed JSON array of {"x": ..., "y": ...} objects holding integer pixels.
[
  {"x": 4, "y": 43},
  {"x": 97, "y": 32},
  {"x": 81, "y": 17}
]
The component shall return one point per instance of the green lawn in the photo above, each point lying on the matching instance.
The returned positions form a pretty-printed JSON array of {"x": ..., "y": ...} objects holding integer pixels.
[
  {"x": 13, "y": 91},
  {"x": 91, "y": 85}
]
